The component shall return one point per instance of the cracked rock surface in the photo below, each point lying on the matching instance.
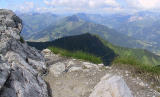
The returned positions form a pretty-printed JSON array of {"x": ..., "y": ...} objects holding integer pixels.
[{"x": 21, "y": 66}]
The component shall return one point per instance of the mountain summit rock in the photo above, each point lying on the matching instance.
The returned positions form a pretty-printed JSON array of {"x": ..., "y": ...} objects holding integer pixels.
[{"x": 21, "y": 66}]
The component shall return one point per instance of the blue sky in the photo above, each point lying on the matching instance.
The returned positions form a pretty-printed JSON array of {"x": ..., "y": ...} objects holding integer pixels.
[{"x": 89, "y": 6}]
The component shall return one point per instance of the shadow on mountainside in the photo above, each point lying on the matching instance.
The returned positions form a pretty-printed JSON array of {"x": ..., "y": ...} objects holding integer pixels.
[{"x": 85, "y": 42}]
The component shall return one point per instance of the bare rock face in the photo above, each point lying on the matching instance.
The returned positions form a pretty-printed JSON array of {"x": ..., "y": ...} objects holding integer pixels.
[
  {"x": 21, "y": 66},
  {"x": 57, "y": 69}
]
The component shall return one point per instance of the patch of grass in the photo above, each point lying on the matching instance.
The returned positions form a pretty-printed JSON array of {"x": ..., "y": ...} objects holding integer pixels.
[
  {"x": 141, "y": 55},
  {"x": 158, "y": 90},
  {"x": 149, "y": 73},
  {"x": 138, "y": 65},
  {"x": 21, "y": 39},
  {"x": 76, "y": 54},
  {"x": 84, "y": 67}
]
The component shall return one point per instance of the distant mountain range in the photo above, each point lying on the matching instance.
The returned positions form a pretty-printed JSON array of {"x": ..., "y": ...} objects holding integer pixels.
[
  {"x": 73, "y": 25},
  {"x": 35, "y": 22},
  {"x": 144, "y": 26},
  {"x": 95, "y": 45},
  {"x": 140, "y": 30}
]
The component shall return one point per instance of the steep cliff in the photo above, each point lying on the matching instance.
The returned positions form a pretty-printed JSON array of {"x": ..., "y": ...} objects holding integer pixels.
[{"x": 21, "y": 66}]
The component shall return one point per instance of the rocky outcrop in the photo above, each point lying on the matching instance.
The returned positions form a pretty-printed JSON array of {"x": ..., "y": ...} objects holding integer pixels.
[
  {"x": 75, "y": 78},
  {"x": 69, "y": 77},
  {"x": 21, "y": 66}
]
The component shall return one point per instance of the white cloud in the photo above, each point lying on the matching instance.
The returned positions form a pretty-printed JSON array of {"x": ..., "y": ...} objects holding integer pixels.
[
  {"x": 26, "y": 7},
  {"x": 46, "y": 2},
  {"x": 111, "y": 2},
  {"x": 144, "y": 4},
  {"x": 97, "y": 6},
  {"x": 81, "y": 3}
]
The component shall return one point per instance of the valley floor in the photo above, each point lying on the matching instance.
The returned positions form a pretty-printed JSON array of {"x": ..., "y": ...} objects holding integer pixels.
[{"x": 75, "y": 78}]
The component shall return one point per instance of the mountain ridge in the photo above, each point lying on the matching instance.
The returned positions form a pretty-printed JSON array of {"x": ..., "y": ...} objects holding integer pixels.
[{"x": 74, "y": 42}]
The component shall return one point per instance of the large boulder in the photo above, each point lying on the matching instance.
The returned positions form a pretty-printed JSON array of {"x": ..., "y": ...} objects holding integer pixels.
[
  {"x": 21, "y": 66},
  {"x": 111, "y": 86}
]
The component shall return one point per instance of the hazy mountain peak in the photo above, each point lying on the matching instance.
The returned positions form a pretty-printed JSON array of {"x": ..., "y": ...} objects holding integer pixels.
[
  {"x": 73, "y": 18},
  {"x": 135, "y": 18}
]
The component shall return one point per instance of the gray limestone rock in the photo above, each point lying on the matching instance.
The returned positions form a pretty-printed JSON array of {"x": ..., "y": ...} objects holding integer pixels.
[
  {"x": 57, "y": 69},
  {"x": 21, "y": 66}
]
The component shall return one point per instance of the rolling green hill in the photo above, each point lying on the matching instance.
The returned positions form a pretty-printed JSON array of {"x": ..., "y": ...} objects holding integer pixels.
[
  {"x": 97, "y": 46},
  {"x": 141, "y": 55}
]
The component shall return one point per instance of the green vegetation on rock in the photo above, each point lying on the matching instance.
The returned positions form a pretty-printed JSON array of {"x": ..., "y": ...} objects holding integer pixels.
[
  {"x": 21, "y": 39},
  {"x": 77, "y": 54},
  {"x": 139, "y": 66}
]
